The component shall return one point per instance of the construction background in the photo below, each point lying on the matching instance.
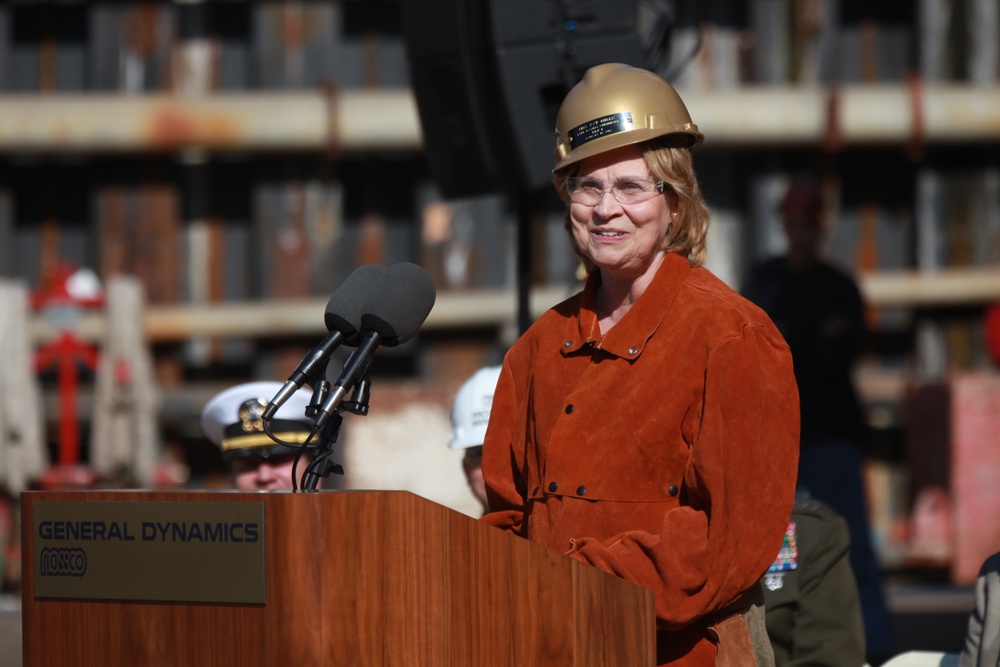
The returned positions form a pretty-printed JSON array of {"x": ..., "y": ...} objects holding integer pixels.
[{"x": 184, "y": 184}]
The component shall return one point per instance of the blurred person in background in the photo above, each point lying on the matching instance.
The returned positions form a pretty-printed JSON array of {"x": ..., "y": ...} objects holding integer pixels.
[
  {"x": 819, "y": 310},
  {"x": 648, "y": 426},
  {"x": 232, "y": 421},
  {"x": 812, "y": 610},
  {"x": 470, "y": 413}
]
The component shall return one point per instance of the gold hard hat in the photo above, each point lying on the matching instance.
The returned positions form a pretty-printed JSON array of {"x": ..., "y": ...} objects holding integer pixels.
[{"x": 616, "y": 105}]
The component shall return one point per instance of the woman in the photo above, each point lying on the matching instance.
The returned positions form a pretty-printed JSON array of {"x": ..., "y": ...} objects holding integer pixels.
[{"x": 648, "y": 426}]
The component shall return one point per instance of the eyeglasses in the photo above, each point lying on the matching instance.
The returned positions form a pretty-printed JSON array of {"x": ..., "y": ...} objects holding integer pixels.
[{"x": 589, "y": 191}]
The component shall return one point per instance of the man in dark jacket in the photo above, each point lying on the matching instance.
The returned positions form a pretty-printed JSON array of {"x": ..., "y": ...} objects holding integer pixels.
[{"x": 819, "y": 310}]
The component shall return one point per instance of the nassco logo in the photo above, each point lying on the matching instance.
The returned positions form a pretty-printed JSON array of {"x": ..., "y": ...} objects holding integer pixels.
[{"x": 63, "y": 562}]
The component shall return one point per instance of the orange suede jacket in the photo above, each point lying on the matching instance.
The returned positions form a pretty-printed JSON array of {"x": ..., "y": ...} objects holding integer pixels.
[{"x": 664, "y": 453}]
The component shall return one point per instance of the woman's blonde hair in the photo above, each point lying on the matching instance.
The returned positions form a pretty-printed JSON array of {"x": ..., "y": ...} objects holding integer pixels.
[{"x": 689, "y": 226}]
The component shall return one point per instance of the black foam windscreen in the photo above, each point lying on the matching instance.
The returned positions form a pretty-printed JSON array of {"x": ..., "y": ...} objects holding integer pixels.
[
  {"x": 408, "y": 300},
  {"x": 353, "y": 299},
  {"x": 489, "y": 75}
]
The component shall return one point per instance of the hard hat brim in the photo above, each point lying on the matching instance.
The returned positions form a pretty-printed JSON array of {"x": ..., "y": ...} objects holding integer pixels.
[{"x": 689, "y": 139}]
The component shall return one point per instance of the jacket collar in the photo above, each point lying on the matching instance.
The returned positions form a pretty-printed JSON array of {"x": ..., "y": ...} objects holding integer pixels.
[{"x": 627, "y": 338}]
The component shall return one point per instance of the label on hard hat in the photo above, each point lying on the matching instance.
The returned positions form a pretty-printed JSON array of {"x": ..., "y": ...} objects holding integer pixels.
[{"x": 601, "y": 127}]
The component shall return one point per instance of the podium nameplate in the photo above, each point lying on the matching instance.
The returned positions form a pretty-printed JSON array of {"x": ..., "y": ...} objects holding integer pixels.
[{"x": 151, "y": 551}]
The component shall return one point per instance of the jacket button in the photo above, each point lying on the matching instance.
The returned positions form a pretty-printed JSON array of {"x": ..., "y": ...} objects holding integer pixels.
[
  {"x": 581, "y": 490},
  {"x": 633, "y": 350},
  {"x": 535, "y": 492},
  {"x": 553, "y": 487},
  {"x": 568, "y": 343},
  {"x": 569, "y": 409},
  {"x": 672, "y": 490}
]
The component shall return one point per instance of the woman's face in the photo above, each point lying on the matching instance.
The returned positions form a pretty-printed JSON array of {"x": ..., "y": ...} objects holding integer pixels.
[{"x": 623, "y": 240}]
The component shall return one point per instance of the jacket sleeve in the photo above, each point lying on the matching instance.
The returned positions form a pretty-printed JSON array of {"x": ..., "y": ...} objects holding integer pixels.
[
  {"x": 505, "y": 485},
  {"x": 738, "y": 489},
  {"x": 828, "y": 629}
]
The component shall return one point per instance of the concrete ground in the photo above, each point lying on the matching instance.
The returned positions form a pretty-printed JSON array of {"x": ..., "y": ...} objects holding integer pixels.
[{"x": 926, "y": 618}]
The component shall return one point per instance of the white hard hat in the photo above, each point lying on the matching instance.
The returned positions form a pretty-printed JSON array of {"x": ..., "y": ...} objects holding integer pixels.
[
  {"x": 470, "y": 412},
  {"x": 232, "y": 421}
]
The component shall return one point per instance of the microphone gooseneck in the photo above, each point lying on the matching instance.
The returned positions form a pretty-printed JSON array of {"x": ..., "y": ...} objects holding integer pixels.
[{"x": 310, "y": 370}]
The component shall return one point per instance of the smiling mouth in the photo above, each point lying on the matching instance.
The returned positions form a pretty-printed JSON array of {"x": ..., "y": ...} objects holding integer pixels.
[{"x": 608, "y": 235}]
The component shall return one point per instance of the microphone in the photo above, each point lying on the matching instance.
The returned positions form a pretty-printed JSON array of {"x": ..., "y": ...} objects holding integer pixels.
[
  {"x": 391, "y": 320},
  {"x": 343, "y": 315},
  {"x": 411, "y": 297}
]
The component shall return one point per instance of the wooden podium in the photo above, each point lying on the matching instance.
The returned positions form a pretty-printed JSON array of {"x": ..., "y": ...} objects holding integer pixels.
[{"x": 349, "y": 578}]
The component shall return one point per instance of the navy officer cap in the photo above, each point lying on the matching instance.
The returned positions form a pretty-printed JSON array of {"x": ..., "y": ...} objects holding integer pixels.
[{"x": 232, "y": 421}]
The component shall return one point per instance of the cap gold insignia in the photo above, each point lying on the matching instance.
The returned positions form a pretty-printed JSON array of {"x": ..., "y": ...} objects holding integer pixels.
[{"x": 252, "y": 415}]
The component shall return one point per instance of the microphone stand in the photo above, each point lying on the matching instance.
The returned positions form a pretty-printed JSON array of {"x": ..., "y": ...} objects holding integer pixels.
[{"x": 322, "y": 465}]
